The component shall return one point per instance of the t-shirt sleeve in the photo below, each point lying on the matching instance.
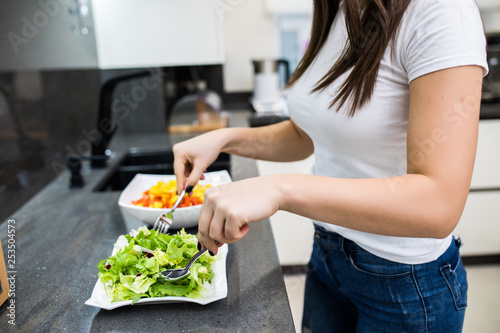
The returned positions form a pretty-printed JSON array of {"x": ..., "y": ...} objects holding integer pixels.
[{"x": 442, "y": 34}]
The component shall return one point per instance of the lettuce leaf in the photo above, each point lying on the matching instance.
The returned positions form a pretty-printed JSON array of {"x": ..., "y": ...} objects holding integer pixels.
[{"x": 134, "y": 271}]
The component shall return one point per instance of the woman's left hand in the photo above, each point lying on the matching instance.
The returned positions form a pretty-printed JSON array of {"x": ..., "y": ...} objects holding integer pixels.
[{"x": 228, "y": 209}]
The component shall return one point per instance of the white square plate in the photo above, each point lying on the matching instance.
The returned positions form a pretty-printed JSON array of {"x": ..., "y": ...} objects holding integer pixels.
[
  {"x": 185, "y": 217},
  {"x": 216, "y": 291}
]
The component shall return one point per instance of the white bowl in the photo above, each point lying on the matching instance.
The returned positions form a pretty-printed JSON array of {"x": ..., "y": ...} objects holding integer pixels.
[{"x": 184, "y": 217}]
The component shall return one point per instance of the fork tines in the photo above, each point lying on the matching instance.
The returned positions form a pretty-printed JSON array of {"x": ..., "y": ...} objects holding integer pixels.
[{"x": 162, "y": 224}]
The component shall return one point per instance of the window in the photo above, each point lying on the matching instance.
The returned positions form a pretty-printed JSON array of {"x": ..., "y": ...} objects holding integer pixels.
[{"x": 293, "y": 33}]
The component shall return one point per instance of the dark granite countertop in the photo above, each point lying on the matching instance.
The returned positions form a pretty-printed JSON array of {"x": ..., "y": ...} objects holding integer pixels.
[{"x": 61, "y": 234}]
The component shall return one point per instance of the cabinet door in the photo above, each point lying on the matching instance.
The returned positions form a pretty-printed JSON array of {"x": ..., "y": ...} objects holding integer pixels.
[
  {"x": 487, "y": 167},
  {"x": 45, "y": 35},
  {"x": 479, "y": 227},
  {"x": 149, "y": 33},
  {"x": 293, "y": 234}
]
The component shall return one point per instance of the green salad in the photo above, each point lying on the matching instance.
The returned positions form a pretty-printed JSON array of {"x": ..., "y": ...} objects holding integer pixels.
[{"x": 134, "y": 271}]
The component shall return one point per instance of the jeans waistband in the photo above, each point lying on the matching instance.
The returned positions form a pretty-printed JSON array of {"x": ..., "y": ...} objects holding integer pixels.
[
  {"x": 335, "y": 241},
  {"x": 338, "y": 242}
]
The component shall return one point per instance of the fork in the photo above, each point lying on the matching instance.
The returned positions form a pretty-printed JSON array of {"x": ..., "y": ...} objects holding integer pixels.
[
  {"x": 164, "y": 221},
  {"x": 179, "y": 273}
]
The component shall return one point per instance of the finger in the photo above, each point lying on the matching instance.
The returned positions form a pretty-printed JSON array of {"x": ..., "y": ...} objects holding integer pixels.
[
  {"x": 195, "y": 176},
  {"x": 204, "y": 221},
  {"x": 200, "y": 247},
  {"x": 244, "y": 230},
  {"x": 179, "y": 171},
  {"x": 216, "y": 232},
  {"x": 210, "y": 242},
  {"x": 241, "y": 233},
  {"x": 235, "y": 229},
  {"x": 212, "y": 247},
  {"x": 187, "y": 169}
]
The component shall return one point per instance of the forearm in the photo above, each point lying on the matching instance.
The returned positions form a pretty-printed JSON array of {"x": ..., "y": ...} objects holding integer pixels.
[
  {"x": 282, "y": 142},
  {"x": 407, "y": 206}
]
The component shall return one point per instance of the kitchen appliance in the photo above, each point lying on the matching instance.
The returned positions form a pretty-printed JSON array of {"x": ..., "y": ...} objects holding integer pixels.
[
  {"x": 267, "y": 95},
  {"x": 491, "y": 82},
  {"x": 268, "y": 100}
]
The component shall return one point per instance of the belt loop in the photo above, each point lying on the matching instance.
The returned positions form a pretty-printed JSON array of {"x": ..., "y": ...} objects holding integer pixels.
[
  {"x": 317, "y": 234},
  {"x": 343, "y": 247}
]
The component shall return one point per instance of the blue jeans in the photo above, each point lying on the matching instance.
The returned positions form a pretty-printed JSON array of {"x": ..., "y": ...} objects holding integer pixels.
[{"x": 351, "y": 290}]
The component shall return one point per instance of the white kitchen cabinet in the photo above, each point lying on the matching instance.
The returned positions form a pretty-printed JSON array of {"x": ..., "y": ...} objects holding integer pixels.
[
  {"x": 479, "y": 226},
  {"x": 487, "y": 167},
  {"x": 151, "y": 33},
  {"x": 109, "y": 34},
  {"x": 293, "y": 234},
  {"x": 45, "y": 35}
]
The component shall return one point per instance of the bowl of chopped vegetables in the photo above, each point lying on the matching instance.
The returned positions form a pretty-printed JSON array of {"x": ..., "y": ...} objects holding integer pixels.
[{"x": 148, "y": 196}]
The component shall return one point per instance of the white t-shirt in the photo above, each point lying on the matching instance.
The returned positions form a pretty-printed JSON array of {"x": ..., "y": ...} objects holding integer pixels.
[{"x": 434, "y": 35}]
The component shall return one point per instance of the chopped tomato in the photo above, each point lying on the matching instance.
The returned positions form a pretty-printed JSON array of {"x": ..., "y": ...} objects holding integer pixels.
[{"x": 163, "y": 195}]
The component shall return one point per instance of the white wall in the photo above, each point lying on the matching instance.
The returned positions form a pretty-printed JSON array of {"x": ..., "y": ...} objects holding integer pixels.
[
  {"x": 488, "y": 3},
  {"x": 249, "y": 33},
  {"x": 490, "y": 12},
  {"x": 290, "y": 6}
]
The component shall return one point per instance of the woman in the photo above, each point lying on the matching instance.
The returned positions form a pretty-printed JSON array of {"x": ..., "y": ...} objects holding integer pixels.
[{"x": 387, "y": 98}]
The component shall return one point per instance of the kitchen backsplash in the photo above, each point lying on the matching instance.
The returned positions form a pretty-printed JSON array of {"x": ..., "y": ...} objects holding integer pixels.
[{"x": 41, "y": 113}]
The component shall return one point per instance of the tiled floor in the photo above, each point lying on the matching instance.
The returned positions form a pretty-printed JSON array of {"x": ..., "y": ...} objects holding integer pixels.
[{"x": 483, "y": 299}]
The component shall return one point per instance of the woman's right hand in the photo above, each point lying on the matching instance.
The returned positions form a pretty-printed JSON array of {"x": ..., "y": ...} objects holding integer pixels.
[{"x": 192, "y": 157}]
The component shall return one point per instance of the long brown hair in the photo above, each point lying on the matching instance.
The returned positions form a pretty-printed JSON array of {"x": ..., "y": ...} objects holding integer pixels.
[{"x": 370, "y": 28}]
